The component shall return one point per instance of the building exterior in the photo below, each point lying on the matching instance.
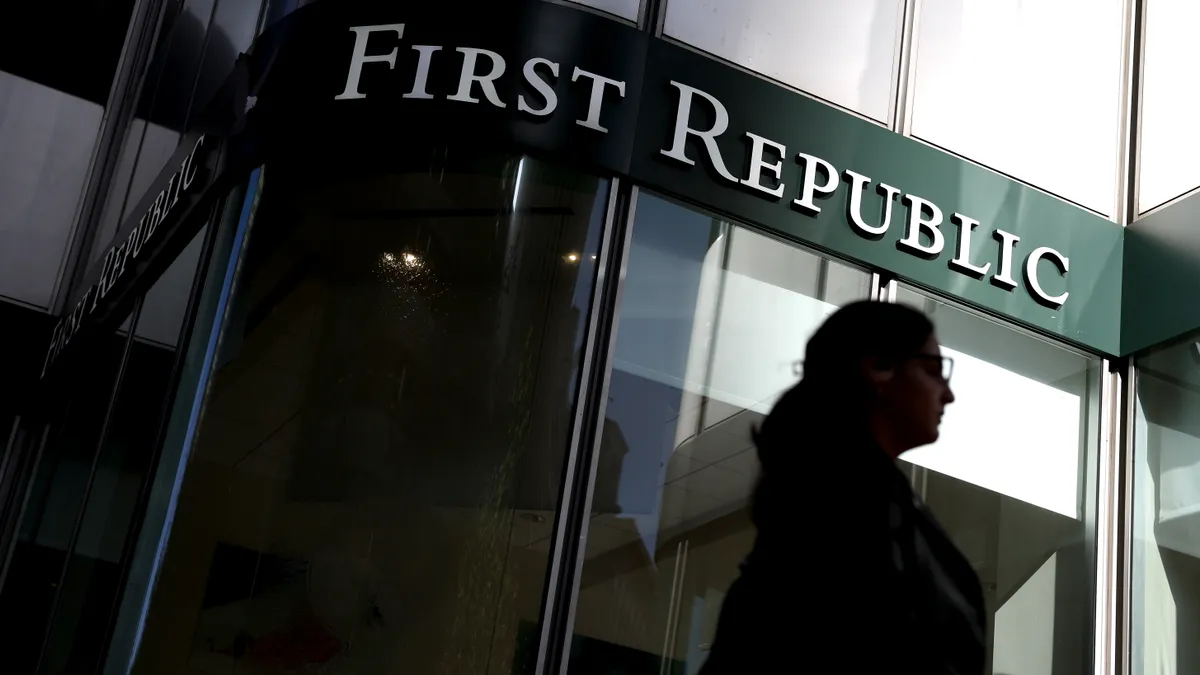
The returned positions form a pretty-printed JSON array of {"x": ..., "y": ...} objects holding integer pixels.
[{"x": 363, "y": 336}]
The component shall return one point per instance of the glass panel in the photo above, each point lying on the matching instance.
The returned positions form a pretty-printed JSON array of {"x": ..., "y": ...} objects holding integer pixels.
[
  {"x": 1046, "y": 112},
  {"x": 89, "y": 590},
  {"x": 1166, "y": 512},
  {"x": 50, "y": 112},
  {"x": 1169, "y": 139},
  {"x": 714, "y": 318},
  {"x": 1009, "y": 480},
  {"x": 46, "y": 139},
  {"x": 55, "y": 501},
  {"x": 841, "y": 51},
  {"x": 626, "y": 9},
  {"x": 384, "y": 434},
  {"x": 162, "y": 110},
  {"x": 192, "y": 382}
]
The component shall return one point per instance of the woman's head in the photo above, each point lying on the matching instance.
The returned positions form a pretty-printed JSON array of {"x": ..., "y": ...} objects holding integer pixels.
[{"x": 876, "y": 366}]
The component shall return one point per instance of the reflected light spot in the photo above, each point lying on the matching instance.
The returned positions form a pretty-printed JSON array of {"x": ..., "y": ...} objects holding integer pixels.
[{"x": 572, "y": 257}]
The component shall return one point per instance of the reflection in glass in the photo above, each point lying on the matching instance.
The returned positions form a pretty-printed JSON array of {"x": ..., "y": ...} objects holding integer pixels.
[
  {"x": 1047, "y": 112},
  {"x": 1166, "y": 512},
  {"x": 713, "y": 318},
  {"x": 90, "y": 588},
  {"x": 841, "y": 51},
  {"x": 55, "y": 502},
  {"x": 46, "y": 139},
  {"x": 377, "y": 465},
  {"x": 1169, "y": 138},
  {"x": 1008, "y": 479}
]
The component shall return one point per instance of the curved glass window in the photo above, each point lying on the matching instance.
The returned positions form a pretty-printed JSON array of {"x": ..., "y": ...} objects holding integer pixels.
[{"x": 384, "y": 432}]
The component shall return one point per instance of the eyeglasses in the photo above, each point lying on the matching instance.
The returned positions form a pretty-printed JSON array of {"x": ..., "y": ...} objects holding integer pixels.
[{"x": 944, "y": 362}]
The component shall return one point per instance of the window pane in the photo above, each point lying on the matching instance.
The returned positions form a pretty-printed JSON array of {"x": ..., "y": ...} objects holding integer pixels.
[
  {"x": 1008, "y": 480},
  {"x": 383, "y": 439},
  {"x": 1170, "y": 140},
  {"x": 714, "y": 318},
  {"x": 55, "y": 501},
  {"x": 46, "y": 139},
  {"x": 50, "y": 112},
  {"x": 841, "y": 51},
  {"x": 1166, "y": 513},
  {"x": 90, "y": 587},
  {"x": 627, "y": 9},
  {"x": 1031, "y": 89}
]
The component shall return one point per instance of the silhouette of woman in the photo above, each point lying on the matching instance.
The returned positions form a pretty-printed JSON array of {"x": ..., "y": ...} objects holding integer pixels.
[{"x": 849, "y": 572}]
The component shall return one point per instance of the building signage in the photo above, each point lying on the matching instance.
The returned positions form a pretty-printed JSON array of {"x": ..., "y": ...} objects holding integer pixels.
[
  {"x": 770, "y": 170},
  {"x": 128, "y": 249},
  {"x": 818, "y": 180},
  {"x": 380, "y": 84}
]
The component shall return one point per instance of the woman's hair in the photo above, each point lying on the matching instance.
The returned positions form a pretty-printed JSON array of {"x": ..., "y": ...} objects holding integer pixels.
[{"x": 829, "y": 405}]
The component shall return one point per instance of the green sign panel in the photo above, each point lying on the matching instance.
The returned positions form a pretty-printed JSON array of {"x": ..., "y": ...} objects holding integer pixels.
[{"x": 783, "y": 161}]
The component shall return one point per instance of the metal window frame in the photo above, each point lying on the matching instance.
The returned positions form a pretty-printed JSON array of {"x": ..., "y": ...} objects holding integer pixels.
[
  {"x": 242, "y": 226},
  {"x": 571, "y": 525},
  {"x": 145, "y": 22},
  {"x": 97, "y": 447}
]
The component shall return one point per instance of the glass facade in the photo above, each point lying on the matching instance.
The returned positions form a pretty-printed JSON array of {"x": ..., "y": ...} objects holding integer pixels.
[
  {"x": 714, "y": 321},
  {"x": 844, "y": 52},
  {"x": 1166, "y": 544},
  {"x": 50, "y": 119},
  {"x": 1012, "y": 479},
  {"x": 398, "y": 371},
  {"x": 1168, "y": 139},
  {"x": 1047, "y": 113},
  {"x": 488, "y": 409}
]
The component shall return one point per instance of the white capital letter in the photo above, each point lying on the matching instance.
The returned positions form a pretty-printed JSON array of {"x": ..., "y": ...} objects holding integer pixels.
[
  {"x": 809, "y": 189},
  {"x": 594, "y": 103},
  {"x": 540, "y": 85},
  {"x": 757, "y": 164},
  {"x": 189, "y": 165},
  {"x": 858, "y": 185},
  {"x": 916, "y": 221},
  {"x": 424, "y": 58},
  {"x": 962, "y": 260},
  {"x": 682, "y": 116},
  {"x": 361, "y": 35},
  {"x": 486, "y": 82},
  {"x": 1007, "y": 242},
  {"x": 1031, "y": 274}
]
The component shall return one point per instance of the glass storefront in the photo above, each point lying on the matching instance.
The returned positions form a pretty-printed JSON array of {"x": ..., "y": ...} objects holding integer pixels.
[
  {"x": 1012, "y": 479},
  {"x": 469, "y": 388},
  {"x": 709, "y": 335},
  {"x": 1166, "y": 506},
  {"x": 382, "y": 442}
]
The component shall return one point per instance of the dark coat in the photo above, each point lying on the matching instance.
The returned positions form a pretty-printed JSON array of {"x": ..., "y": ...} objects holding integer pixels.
[{"x": 850, "y": 573}]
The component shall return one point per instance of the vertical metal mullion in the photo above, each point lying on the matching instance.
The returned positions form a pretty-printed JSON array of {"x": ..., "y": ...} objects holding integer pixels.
[
  {"x": 900, "y": 108},
  {"x": 571, "y": 525},
  {"x": 1128, "y": 144},
  {"x": 1106, "y": 638},
  {"x": 883, "y": 287},
  {"x": 221, "y": 307},
  {"x": 77, "y": 527},
  {"x": 653, "y": 13},
  {"x": 1122, "y": 642}
]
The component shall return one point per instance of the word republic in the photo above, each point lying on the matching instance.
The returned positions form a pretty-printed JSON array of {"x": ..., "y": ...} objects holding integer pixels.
[{"x": 765, "y": 172}]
